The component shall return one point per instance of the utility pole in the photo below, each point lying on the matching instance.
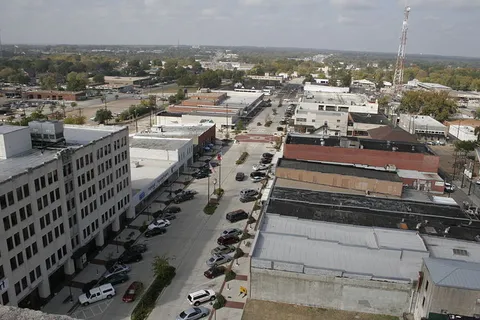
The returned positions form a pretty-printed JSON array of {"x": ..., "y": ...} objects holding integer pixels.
[
  {"x": 226, "y": 120},
  {"x": 400, "y": 64}
]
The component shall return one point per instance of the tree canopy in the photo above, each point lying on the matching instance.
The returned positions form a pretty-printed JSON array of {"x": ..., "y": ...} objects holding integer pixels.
[
  {"x": 435, "y": 104},
  {"x": 209, "y": 79},
  {"x": 103, "y": 115},
  {"x": 76, "y": 81}
]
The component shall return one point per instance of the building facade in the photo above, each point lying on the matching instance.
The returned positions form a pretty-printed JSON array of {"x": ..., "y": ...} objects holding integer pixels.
[
  {"x": 321, "y": 122},
  {"x": 57, "y": 204},
  {"x": 424, "y": 127},
  {"x": 55, "y": 95}
]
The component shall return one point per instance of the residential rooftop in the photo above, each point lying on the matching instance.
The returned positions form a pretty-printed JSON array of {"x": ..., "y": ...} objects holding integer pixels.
[
  {"x": 454, "y": 273},
  {"x": 347, "y": 170},
  {"x": 370, "y": 118},
  {"x": 296, "y": 245},
  {"x": 358, "y": 143},
  {"x": 425, "y": 217}
]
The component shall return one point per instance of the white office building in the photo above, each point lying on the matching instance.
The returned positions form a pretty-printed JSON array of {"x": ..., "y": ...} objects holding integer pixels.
[
  {"x": 424, "y": 127},
  {"x": 63, "y": 190},
  {"x": 321, "y": 122}
]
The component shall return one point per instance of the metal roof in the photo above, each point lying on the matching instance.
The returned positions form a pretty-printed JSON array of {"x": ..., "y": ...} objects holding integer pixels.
[
  {"x": 326, "y": 248},
  {"x": 454, "y": 273}
]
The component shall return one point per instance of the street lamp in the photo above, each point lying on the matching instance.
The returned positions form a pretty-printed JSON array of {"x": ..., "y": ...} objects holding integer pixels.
[
  {"x": 118, "y": 239},
  {"x": 70, "y": 289}
]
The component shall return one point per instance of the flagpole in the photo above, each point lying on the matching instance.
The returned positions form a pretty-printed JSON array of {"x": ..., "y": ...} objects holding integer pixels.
[
  {"x": 208, "y": 189},
  {"x": 220, "y": 172}
]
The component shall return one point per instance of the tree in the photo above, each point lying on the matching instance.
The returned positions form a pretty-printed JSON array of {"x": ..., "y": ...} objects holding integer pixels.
[
  {"x": 477, "y": 133},
  {"x": 52, "y": 107},
  {"x": 161, "y": 266},
  {"x": 209, "y": 79},
  {"x": 63, "y": 107},
  {"x": 76, "y": 81},
  {"x": 465, "y": 146},
  {"x": 308, "y": 78},
  {"x": 99, "y": 78},
  {"x": 346, "y": 79},
  {"x": 73, "y": 105},
  {"x": 75, "y": 119},
  {"x": 48, "y": 82},
  {"x": 116, "y": 97},
  {"x": 187, "y": 80},
  {"x": 477, "y": 113},
  {"x": 437, "y": 104},
  {"x": 383, "y": 102},
  {"x": 103, "y": 115},
  {"x": 172, "y": 99}
]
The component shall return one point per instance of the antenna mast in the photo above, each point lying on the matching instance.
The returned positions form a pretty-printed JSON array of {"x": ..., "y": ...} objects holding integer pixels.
[
  {"x": 1, "y": 47},
  {"x": 399, "y": 67}
]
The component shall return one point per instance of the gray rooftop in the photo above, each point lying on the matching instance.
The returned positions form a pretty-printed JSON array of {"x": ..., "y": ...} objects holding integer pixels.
[
  {"x": 347, "y": 170},
  {"x": 157, "y": 143},
  {"x": 7, "y": 129},
  {"x": 334, "y": 98},
  {"x": 15, "y": 313},
  {"x": 189, "y": 131},
  {"x": 296, "y": 245},
  {"x": 454, "y": 273}
]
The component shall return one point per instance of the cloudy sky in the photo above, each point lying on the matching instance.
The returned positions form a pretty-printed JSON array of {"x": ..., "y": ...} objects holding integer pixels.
[{"x": 443, "y": 27}]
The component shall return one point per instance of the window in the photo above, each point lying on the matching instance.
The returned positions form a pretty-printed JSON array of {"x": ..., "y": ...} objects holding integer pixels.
[
  {"x": 42, "y": 182},
  {"x": 34, "y": 248},
  {"x": 50, "y": 237},
  {"x": 25, "y": 234},
  {"x": 38, "y": 271},
  {"x": 29, "y": 210},
  {"x": 22, "y": 213},
  {"x": 20, "y": 258},
  {"x": 28, "y": 252},
  {"x": 460, "y": 252},
  {"x": 10, "y": 199},
  {"x": 423, "y": 302},
  {"x": 47, "y": 262},
  {"x": 13, "y": 263},
  {"x": 31, "y": 228},
  {"x": 10, "y": 245},
  {"x": 44, "y": 241},
  {"x": 42, "y": 223},
  {"x": 32, "y": 276},
  {"x": 39, "y": 204},
  {"x": 5, "y": 298},
  {"x": 6, "y": 223},
  {"x": 24, "y": 283},
  {"x": 19, "y": 193},
  {"x": 26, "y": 191},
  {"x": 16, "y": 237},
  {"x": 37, "y": 185},
  {"x": 50, "y": 178},
  {"x": 2, "y": 273},
  {"x": 13, "y": 218},
  {"x": 18, "y": 290}
]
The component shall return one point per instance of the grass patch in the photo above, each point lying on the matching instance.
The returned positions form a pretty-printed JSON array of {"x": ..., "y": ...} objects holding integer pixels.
[
  {"x": 147, "y": 301},
  {"x": 242, "y": 159},
  {"x": 210, "y": 208}
]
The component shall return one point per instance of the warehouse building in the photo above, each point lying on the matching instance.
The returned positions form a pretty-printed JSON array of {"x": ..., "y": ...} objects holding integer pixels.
[{"x": 425, "y": 128}]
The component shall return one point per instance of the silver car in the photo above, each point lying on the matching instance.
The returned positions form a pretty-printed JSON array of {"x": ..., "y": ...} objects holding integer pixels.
[
  {"x": 231, "y": 231},
  {"x": 193, "y": 313},
  {"x": 222, "y": 250},
  {"x": 218, "y": 259}
]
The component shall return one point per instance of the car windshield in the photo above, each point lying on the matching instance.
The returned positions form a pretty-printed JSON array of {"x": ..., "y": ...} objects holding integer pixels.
[
  {"x": 183, "y": 315},
  {"x": 131, "y": 291}
]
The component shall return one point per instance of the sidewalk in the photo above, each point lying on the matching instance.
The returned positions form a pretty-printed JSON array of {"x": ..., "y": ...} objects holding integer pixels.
[
  {"x": 461, "y": 194},
  {"x": 61, "y": 303}
]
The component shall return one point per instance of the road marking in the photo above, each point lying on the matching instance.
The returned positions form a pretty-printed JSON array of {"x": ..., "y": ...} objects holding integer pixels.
[{"x": 90, "y": 312}]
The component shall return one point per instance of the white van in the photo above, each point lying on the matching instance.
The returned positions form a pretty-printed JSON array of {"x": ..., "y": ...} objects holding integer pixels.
[
  {"x": 103, "y": 292},
  {"x": 199, "y": 297}
]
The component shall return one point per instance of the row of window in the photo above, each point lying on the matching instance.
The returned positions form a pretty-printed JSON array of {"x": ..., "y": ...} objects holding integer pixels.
[
  {"x": 67, "y": 169},
  {"x": 90, "y": 229},
  {"x": 6, "y": 200},
  {"x": 48, "y": 237},
  {"x": 106, "y": 150},
  {"x": 101, "y": 168},
  {"x": 45, "y": 220},
  {"x": 123, "y": 202},
  {"x": 108, "y": 214},
  {"x": 68, "y": 186},
  {"x": 40, "y": 183},
  {"x": 81, "y": 163},
  {"x": 106, "y": 196},
  {"x": 50, "y": 261},
  {"x": 122, "y": 170},
  {"x": 42, "y": 202},
  {"x": 119, "y": 143},
  {"x": 72, "y": 221},
  {"x": 88, "y": 192},
  {"x": 12, "y": 220},
  {"x": 122, "y": 184},
  {"x": 121, "y": 157},
  {"x": 89, "y": 175},
  {"x": 105, "y": 181},
  {"x": 70, "y": 204},
  {"x": 23, "y": 284},
  {"x": 92, "y": 206},
  {"x": 75, "y": 241}
]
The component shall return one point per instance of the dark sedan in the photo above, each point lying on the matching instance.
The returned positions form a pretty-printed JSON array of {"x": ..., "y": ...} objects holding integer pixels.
[
  {"x": 214, "y": 272},
  {"x": 155, "y": 232},
  {"x": 229, "y": 239}
]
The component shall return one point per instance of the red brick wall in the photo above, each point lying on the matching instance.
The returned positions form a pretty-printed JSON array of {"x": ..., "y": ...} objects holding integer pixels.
[
  {"x": 402, "y": 160},
  {"x": 207, "y": 137}
]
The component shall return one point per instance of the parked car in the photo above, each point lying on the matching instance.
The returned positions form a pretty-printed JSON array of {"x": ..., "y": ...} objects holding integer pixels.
[
  {"x": 200, "y": 175},
  {"x": 269, "y": 155},
  {"x": 160, "y": 223},
  {"x": 231, "y": 231},
  {"x": 114, "y": 279},
  {"x": 169, "y": 216},
  {"x": 184, "y": 196},
  {"x": 235, "y": 216},
  {"x": 248, "y": 199},
  {"x": 257, "y": 176},
  {"x": 118, "y": 268},
  {"x": 130, "y": 256},
  {"x": 172, "y": 209},
  {"x": 224, "y": 240},
  {"x": 155, "y": 232},
  {"x": 240, "y": 176},
  {"x": 134, "y": 289},
  {"x": 198, "y": 297},
  {"x": 105, "y": 291},
  {"x": 261, "y": 166},
  {"x": 214, "y": 272},
  {"x": 248, "y": 193},
  {"x": 265, "y": 160},
  {"x": 193, "y": 313},
  {"x": 222, "y": 250},
  {"x": 218, "y": 259},
  {"x": 138, "y": 248}
]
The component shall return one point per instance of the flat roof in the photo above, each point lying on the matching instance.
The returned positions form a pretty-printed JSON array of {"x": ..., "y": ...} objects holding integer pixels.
[
  {"x": 4, "y": 129},
  {"x": 182, "y": 130},
  {"x": 369, "y": 144},
  {"x": 454, "y": 273},
  {"x": 75, "y": 136},
  {"x": 426, "y": 121},
  {"x": 149, "y": 141},
  {"x": 370, "y": 118},
  {"x": 239, "y": 99},
  {"x": 110, "y": 78},
  {"x": 347, "y": 170},
  {"x": 445, "y": 248},
  {"x": 335, "y": 98},
  {"x": 147, "y": 171},
  {"x": 425, "y": 217},
  {"x": 296, "y": 245}
]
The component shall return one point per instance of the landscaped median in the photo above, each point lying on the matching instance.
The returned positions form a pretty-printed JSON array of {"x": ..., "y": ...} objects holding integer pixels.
[
  {"x": 164, "y": 273},
  {"x": 243, "y": 158}
]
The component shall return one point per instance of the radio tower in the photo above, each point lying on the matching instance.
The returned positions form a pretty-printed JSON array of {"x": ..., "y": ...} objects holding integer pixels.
[{"x": 399, "y": 67}]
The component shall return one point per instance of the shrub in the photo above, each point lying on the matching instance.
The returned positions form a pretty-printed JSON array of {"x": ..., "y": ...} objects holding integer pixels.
[
  {"x": 218, "y": 191},
  {"x": 230, "y": 275},
  {"x": 238, "y": 253},
  {"x": 268, "y": 123},
  {"x": 128, "y": 244},
  {"x": 243, "y": 158},
  {"x": 251, "y": 220},
  {"x": 245, "y": 236},
  {"x": 219, "y": 302},
  {"x": 259, "y": 123},
  {"x": 210, "y": 208},
  {"x": 256, "y": 206},
  {"x": 147, "y": 301}
]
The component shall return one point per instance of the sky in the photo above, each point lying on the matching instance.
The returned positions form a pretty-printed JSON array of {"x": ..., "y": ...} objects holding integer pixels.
[{"x": 443, "y": 27}]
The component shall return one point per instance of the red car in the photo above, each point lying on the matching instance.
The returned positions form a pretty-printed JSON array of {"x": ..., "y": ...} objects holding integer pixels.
[
  {"x": 133, "y": 291},
  {"x": 228, "y": 239},
  {"x": 214, "y": 272}
]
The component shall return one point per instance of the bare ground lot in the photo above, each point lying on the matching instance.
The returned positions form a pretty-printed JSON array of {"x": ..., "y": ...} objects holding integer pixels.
[{"x": 264, "y": 310}]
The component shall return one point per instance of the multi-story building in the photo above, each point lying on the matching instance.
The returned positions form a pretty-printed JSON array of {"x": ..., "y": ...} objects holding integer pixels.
[
  {"x": 63, "y": 190},
  {"x": 424, "y": 127},
  {"x": 331, "y": 123}
]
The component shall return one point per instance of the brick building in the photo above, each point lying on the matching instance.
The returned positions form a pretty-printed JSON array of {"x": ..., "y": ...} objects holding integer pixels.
[
  {"x": 205, "y": 99},
  {"x": 54, "y": 95}
]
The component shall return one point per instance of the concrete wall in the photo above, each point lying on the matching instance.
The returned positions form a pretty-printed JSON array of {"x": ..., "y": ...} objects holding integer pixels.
[
  {"x": 330, "y": 292},
  {"x": 15, "y": 142},
  {"x": 444, "y": 299},
  {"x": 376, "y": 158},
  {"x": 342, "y": 181}
]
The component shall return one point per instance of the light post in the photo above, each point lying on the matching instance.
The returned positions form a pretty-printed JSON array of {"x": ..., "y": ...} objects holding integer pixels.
[
  {"x": 214, "y": 185},
  {"x": 118, "y": 240},
  {"x": 70, "y": 289}
]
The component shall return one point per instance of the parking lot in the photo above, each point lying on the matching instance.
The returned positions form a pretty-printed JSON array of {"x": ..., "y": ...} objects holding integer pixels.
[{"x": 187, "y": 243}]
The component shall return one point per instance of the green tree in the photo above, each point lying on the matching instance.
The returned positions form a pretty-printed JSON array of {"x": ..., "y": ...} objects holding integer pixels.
[
  {"x": 346, "y": 79},
  {"x": 465, "y": 146},
  {"x": 52, "y": 107},
  {"x": 477, "y": 113},
  {"x": 180, "y": 95},
  {"x": 161, "y": 266},
  {"x": 48, "y": 82},
  {"x": 437, "y": 104},
  {"x": 99, "y": 78},
  {"x": 172, "y": 99},
  {"x": 103, "y": 115},
  {"x": 209, "y": 79},
  {"x": 76, "y": 81},
  {"x": 257, "y": 71},
  {"x": 308, "y": 78},
  {"x": 63, "y": 107},
  {"x": 187, "y": 80},
  {"x": 116, "y": 97},
  {"x": 75, "y": 119}
]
